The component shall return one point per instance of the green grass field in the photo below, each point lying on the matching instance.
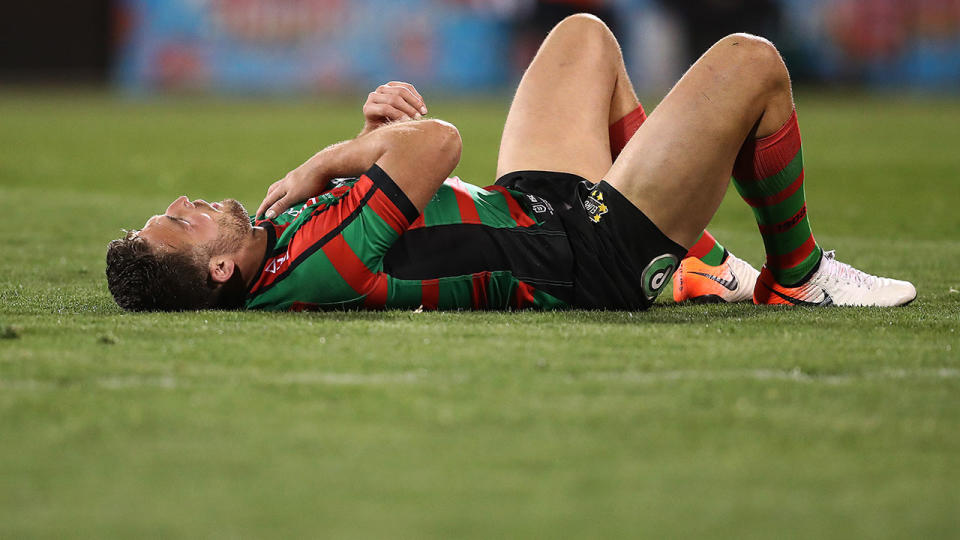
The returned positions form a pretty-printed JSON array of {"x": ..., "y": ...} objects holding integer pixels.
[{"x": 683, "y": 421}]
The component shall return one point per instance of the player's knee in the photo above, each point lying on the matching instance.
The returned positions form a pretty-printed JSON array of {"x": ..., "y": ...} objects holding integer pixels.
[
  {"x": 588, "y": 32},
  {"x": 750, "y": 48},
  {"x": 757, "y": 55},
  {"x": 582, "y": 20}
]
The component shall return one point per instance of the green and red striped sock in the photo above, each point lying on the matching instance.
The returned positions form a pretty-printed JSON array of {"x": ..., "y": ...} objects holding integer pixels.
[
  {"x": 707, "y": 248},
  {"x": 768, "y": 173}
]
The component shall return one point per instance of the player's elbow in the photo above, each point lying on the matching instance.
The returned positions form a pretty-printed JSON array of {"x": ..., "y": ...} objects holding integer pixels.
[{"x": 452, "y": 144}]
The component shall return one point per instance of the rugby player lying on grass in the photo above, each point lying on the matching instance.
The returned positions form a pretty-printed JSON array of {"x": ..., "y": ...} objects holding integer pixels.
[{"x": 383, "y": 226}]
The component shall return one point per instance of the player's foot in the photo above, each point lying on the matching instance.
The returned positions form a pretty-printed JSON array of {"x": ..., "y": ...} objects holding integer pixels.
[
  {"x": 732, "y": 281},
  {"x": 835, "y": 284}
]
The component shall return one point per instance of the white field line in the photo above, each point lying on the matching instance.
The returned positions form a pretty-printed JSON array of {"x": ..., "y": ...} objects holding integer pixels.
[
  {"x": 793, "y": 375},
  {"x": 411, "y": 377},
  {"x": 108, "y": 383},
  {"x": 134, "y": 381},
  {"x": 170, "y": 382},
  {"x": 344, "y": 379}
]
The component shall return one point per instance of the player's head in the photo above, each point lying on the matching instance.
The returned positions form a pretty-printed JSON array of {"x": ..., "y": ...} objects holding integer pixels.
[{"x": 182, "y": 259}]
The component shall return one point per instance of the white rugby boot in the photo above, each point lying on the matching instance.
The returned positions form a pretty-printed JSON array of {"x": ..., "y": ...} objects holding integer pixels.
[{"x": 835, "y": 284}]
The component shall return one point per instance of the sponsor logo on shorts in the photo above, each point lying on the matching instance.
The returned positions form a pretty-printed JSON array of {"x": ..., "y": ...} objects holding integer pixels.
[
  {"x": 595, "y": 206},
  {"x": 539, "y": 206},
  {"x": 656, "y": 274}
]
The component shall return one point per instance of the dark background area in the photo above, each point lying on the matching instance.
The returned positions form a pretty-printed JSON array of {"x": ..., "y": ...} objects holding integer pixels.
[{"x": 56, "y": 41}]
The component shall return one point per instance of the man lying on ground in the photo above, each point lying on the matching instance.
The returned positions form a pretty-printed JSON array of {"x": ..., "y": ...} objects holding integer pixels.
[{"x": 383, "y": 226}]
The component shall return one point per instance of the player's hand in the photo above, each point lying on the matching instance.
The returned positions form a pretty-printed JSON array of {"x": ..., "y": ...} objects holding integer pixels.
[
  {"x": 392, "y": 102},
  {"x": 298, "y": 185}
]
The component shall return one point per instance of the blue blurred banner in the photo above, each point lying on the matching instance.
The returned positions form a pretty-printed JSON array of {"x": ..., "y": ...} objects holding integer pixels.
[
  {"x": 329, "y": 45},
  {"x": 882, "y": 43},
  {"x": 307, "y": 45}
]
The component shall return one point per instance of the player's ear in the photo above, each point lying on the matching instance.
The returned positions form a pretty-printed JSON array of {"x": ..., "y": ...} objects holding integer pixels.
[{"x": 221, "y": 269}]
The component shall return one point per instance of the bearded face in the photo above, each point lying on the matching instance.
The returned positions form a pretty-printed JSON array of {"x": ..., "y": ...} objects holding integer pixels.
[
  {"x": 168, "y": 264},
  {"x": 233, "y": 229}
]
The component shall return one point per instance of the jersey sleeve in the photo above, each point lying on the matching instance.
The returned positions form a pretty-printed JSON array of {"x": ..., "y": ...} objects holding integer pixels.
[
  {"x": 334, "y": 253},
  {"x": 390, "y": 203},
  {"x": 384, "y": 213}
]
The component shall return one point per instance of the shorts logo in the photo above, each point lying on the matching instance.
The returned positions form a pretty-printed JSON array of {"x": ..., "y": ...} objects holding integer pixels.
[
  {"x": 656, "y": 274},
  {"x": 595, "y": 206},
  {"x": 539, "y": 206}
]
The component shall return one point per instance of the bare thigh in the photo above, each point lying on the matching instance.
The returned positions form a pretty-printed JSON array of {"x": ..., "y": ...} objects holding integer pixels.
[
  {"x": 677, "y": 166},
  {"x": 573, "y": 90}
]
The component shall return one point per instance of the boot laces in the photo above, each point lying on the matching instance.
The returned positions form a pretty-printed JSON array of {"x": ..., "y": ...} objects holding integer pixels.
[{"x": 844, "y": 272}]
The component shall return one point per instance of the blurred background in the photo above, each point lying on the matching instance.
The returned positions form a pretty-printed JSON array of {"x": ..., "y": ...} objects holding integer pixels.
[{"x": 321, "y": 46}]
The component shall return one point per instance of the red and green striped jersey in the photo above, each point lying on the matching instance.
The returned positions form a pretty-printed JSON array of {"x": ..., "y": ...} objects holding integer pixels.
[{"x": 363, "y": 245}]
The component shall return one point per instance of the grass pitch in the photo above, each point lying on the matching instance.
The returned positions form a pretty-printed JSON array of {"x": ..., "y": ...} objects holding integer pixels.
[{"x": 683, "y": 421}]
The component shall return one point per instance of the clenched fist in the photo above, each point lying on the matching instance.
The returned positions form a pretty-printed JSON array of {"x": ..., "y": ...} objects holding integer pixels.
[{"x": 392, "y": 102}]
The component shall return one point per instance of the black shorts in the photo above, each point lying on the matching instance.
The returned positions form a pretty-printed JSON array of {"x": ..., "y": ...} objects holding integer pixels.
[{"x": 621, "y": 259}]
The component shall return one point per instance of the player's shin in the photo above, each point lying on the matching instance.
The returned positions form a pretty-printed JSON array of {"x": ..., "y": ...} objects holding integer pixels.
[{"x": 768, "y": 174}]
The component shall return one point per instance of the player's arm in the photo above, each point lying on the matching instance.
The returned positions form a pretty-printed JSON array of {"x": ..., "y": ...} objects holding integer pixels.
[
  {"x": 392, "y": 102},
  {"x": 417, "y": 155}
]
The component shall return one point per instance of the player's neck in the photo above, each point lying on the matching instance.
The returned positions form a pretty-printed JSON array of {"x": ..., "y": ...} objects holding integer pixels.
[{"x": 251, "y": 256}]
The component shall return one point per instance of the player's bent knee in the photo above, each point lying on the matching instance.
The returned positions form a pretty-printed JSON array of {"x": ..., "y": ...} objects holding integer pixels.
[
  {"x": 750, "y": 47},
  {"x": 586, "y": 29},
  {"x": 582, "y": 19},
  {"x": 757, "y": 55}
]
